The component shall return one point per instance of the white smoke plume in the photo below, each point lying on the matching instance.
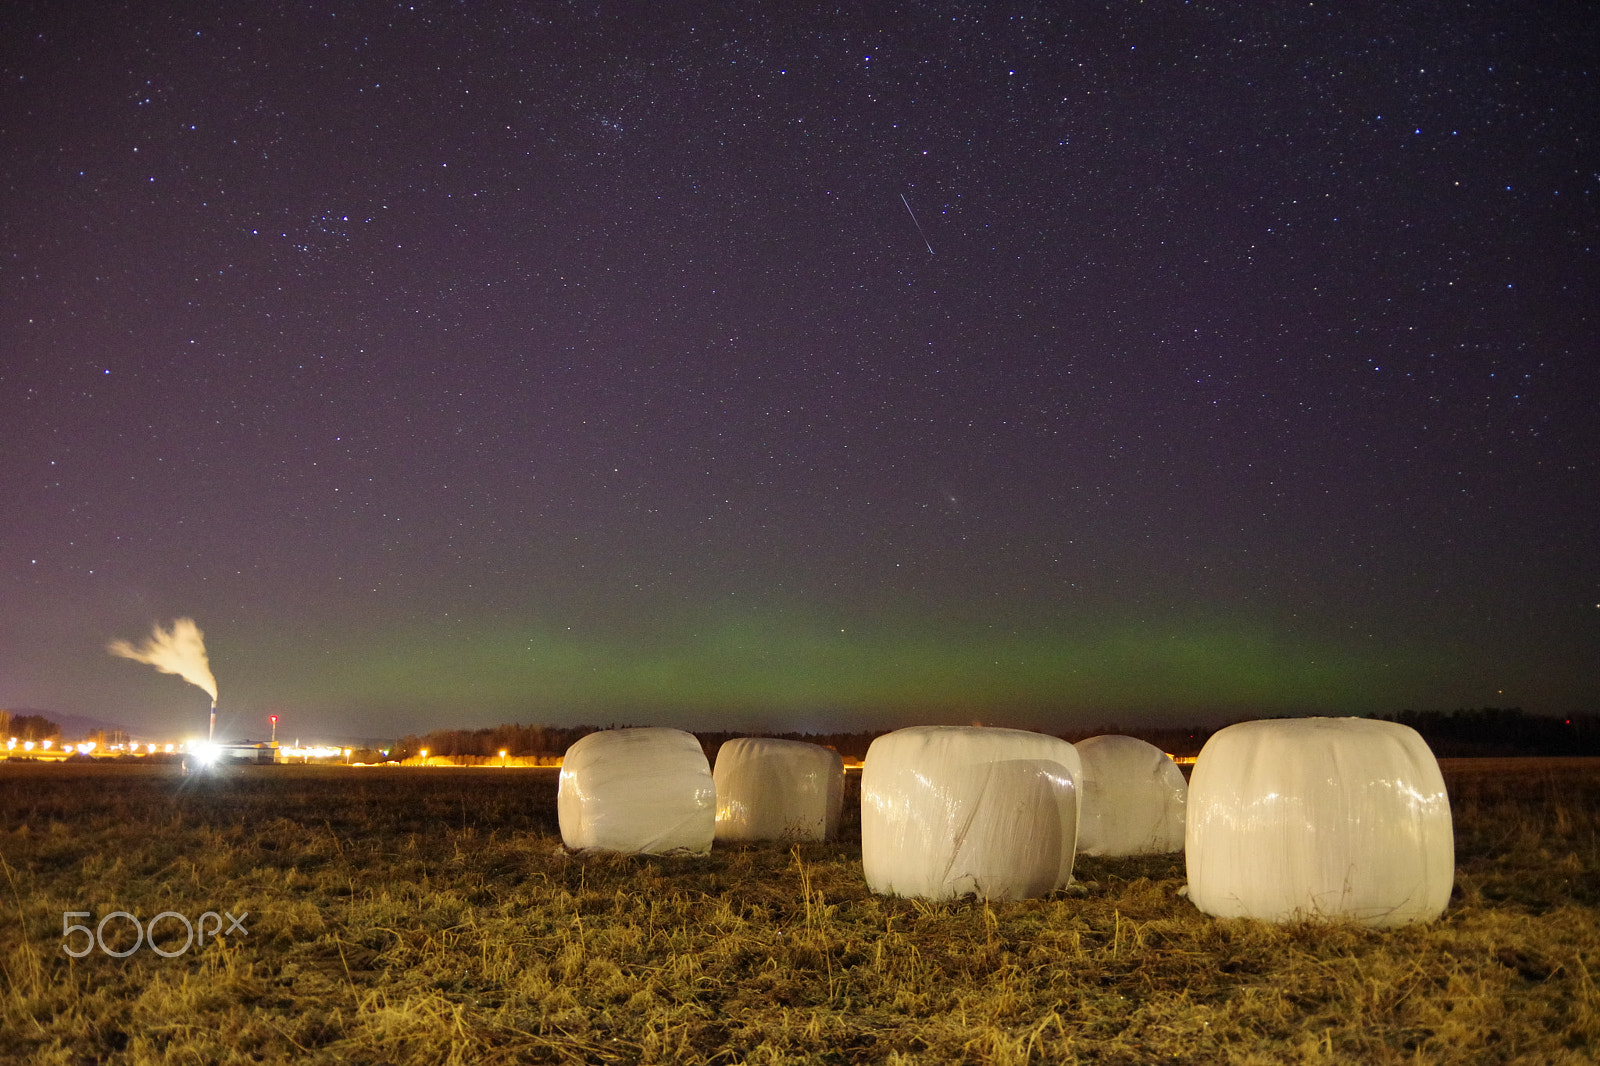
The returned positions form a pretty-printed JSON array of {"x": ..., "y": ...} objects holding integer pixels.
[{"x": 180, "y": 650}]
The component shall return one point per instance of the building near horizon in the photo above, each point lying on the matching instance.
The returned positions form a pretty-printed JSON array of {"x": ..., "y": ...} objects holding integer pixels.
[{"x": 248, "y": 751}]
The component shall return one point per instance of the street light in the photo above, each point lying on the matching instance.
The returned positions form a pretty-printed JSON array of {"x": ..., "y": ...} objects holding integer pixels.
[
  {"x": 502, "y": 758},
  {"x": 424, "y": 756}
]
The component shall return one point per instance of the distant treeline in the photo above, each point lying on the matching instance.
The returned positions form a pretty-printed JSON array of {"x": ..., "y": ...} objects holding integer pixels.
[
  {"x": 525, "y": 740},
  {"x": 533, "y": 740},
  {"x": 1502, "y": 731},
  {"x": 511, "y": 739},
  {"x": 1490, "y": 731},
  {"x": 27, "y": 727}
]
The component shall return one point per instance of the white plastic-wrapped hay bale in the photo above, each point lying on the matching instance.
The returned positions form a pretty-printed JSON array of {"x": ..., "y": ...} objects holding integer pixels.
[
  {"x": 777, "y": 790},
  {"x": 952, "y": 810},
  {"x": 1319, "y": 818},
  {"x": 637, "y": 791},
  {"x": 1133, "y": 798}
]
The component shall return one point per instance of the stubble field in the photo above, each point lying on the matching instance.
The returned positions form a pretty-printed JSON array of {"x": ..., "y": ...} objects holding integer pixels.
[{"x": 432, "y": 916}]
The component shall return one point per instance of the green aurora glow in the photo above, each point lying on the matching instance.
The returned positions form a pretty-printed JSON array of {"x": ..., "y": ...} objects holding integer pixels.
[{"x": 775, "y": 671}]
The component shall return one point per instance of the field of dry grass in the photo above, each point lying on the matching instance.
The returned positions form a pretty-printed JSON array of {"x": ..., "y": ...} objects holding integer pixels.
[{"x": 432, "y": 916}]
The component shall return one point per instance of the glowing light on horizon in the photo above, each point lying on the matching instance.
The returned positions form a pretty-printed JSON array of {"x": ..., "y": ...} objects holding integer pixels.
[{"x": 316, "y": 751}]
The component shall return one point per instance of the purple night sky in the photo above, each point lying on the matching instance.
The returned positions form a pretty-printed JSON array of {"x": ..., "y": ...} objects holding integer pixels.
[{"x": 762, "y": 366}]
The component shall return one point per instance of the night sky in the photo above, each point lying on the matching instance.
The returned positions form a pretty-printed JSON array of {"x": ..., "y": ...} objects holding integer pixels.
[{"x": 757, "y": 367}]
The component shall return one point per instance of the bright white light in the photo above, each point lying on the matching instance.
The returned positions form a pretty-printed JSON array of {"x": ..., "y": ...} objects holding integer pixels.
[
  {"x": 320, "y": 751},
  {"x": 204, "y": 752}
]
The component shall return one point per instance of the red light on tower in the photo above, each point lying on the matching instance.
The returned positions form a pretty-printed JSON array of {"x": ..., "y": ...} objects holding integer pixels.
[{"x": 274, "y": 720}]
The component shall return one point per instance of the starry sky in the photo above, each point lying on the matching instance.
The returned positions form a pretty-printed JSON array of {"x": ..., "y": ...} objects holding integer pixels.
[{"x": 793, "y": 367}]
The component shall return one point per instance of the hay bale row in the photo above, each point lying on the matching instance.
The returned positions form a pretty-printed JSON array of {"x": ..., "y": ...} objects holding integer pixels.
[{"x": 1283, "y": 820}]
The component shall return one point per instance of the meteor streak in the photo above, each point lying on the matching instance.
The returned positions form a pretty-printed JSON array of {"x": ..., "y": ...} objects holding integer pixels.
[{"x": 915, "y": 223}]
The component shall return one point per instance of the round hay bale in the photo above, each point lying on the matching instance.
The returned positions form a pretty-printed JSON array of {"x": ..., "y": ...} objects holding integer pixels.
[
  {"x": 1336, "y": 818},
  {"x": 771, "y": 789},
  {"x": 1133, "y": 798},
  {"x": 637, "y": 791},
  {"x": 950, "y": 811}
]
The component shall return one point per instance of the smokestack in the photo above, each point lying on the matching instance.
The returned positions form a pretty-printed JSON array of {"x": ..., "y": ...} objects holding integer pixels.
[{"x": 181, "y": 651}]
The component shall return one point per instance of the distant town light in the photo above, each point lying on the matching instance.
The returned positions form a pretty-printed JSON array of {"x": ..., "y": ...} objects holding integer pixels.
[{"x": 314, "y": 751}]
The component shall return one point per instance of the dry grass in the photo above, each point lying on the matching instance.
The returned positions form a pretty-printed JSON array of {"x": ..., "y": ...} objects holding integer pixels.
[{"x": 406, "y": 916}]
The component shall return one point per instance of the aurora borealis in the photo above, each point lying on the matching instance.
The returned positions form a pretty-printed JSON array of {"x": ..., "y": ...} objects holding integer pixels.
[{"x": 728, "y": 367}]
